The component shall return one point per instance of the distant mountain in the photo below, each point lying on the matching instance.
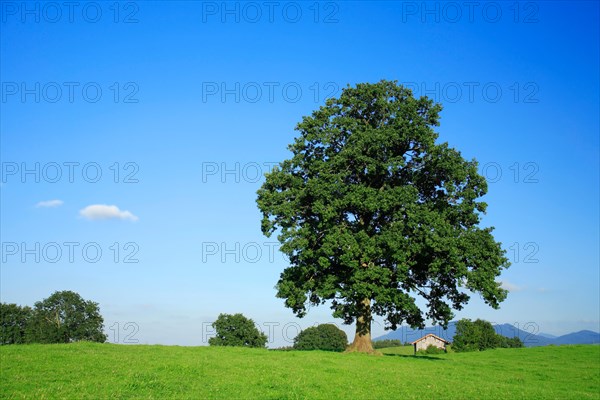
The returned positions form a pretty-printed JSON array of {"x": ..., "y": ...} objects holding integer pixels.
[
  {"x": 527, "y": 334},
  {"x": 581, "y": 337},
  {"x": 547, "y": 335}
]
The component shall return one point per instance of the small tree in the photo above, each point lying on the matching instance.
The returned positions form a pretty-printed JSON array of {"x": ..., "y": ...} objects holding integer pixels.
[
  {"x": 65, "y": 317},
  {"x": 480, "y": 335},
  {"x": 13, "y": 323},
  {"x": 488, "y": 339},
  {"x": 466, "y": 337},
  {"x": 322, "y": 337},
  {"x": 236, "y": 330}
]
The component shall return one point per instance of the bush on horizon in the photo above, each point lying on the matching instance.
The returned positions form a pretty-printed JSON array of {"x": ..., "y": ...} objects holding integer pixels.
[{"x": 322, "y": 337}]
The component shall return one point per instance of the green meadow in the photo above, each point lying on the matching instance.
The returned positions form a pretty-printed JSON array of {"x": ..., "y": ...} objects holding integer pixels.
[{"x": 103, "y": 371}]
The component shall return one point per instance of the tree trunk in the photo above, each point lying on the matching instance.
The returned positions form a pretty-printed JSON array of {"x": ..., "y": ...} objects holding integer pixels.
[{"x": 362, "y": 340}]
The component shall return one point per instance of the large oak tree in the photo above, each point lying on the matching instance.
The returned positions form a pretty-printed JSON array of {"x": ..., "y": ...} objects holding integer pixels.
[{"x": 373, "y": 214}]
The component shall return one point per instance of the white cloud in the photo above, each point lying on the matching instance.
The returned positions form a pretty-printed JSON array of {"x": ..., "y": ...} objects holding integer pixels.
[
  {"x": 102, "y": 211},
  {"x": 50, "y": 203},
  {"x": 511, "y": 287}
]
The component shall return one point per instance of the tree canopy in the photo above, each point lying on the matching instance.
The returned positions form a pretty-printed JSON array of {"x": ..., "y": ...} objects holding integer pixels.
[
  {"x": 65, "y": 317},
  {"x": 236, "y": 330},
  {"x": 326, "y": 337},
  {"x": 372, "y": 214},
  {"x": 480, "y": 335},
  {"x": 13, "y": 323}
]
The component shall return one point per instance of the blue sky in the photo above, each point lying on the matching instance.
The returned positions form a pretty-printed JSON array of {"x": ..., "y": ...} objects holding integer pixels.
[{"x": 170, "y": 112}]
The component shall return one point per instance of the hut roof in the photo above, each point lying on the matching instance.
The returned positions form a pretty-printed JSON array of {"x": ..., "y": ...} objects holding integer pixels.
[{"x": 431, "y": 334}]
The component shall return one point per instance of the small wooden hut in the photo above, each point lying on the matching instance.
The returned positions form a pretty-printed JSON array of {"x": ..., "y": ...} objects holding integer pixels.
[{"x": 430, "y": 340}]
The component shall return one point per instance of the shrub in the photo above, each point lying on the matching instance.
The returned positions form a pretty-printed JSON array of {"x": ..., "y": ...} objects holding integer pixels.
[
  {"x": 510, "y": 343},
  {"x": 515, "y": 342},
  {"x": 381, "y": 344},
  {"x": 322, "y": 337},
  {"x": 236, "y": 330}
]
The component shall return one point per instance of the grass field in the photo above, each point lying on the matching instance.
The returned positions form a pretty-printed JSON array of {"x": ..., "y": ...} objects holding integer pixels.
[{"x": 102, "y": 371}]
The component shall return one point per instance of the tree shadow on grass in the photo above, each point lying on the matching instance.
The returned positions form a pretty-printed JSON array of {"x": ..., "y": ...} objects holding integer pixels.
[{"x": 431, "y": 358}]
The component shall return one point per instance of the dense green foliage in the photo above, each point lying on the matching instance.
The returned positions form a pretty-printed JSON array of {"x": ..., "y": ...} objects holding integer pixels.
[
  {"x": 13, "y": 323},
  {"x": 110, "y": 371},
  {"x": 373, "y": 213},
  {"x": 473, "y": 336},
  {"x": 65, "y": 317},
  {"x": 61, "y": 318},
  {"x": 382, "y": 344},
  {"x": 322, "y": 337},
  {"x": 480, "y": 335},
  {"x": 513, "y": 342},
  {"x": 236, "y": 330}
]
